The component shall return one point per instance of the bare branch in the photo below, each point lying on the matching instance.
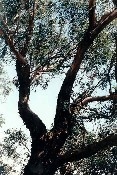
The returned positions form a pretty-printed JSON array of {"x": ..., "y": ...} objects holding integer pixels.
[{"x": 76, "y": 106}]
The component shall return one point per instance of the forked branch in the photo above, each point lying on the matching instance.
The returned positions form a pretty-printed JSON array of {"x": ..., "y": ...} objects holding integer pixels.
[
  {"x": 76, "y": 105},
  {"x": 63, "y": 118},
  {"x": 103, "y": 22},
  {"x": 9, "y": 40},
  {"x": 65, "y": 92}
]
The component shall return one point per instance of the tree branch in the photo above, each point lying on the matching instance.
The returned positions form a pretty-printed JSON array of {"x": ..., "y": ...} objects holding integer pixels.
[
  {"x": 92, "y": 17},
  {"x": 63, "y": 118},
  {"x": 30, "y": 119},
  {"x": 99, "y": 98},
  {"x": 92, "y": 99},
  {"x": 88, "y": 150},
  {"x": 29, "y": 30},
  {"x": 9, "y": 40},
  {"x": 76, "y": 106},
  {"x": 103, "y": 22},
  {"x": 65, "y": 92}
]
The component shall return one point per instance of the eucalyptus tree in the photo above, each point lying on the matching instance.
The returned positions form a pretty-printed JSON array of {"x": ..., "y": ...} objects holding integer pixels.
[{"x": 53, "y": 37}]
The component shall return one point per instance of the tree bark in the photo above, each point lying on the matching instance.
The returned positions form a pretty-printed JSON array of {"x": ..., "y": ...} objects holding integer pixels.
[
  {"x": 63, "y": 119},
  {"x": 87, "y": 151},
  {"x": 46, "y": 145}
]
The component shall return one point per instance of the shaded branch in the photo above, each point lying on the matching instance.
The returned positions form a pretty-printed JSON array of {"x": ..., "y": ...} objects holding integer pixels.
[
  {"x": 65, "y": 92},
  {"x": 63, "y": 117},
  {"x": 23, "y": 73},
  {"x": 9, "y": 40},
  {"x": 66, "y": 88},
  {"x": 35, "y": 125},
  {"x": 30, "y": 119},
  {"x": 103, "y": 22},
  {"x": 88, "y": 150},
  {"x": 76, "y": 105},
  {"x": 92, "y": 17},
  {"x": 99, "y": 98},
  {"x": 29, "y": 30},
  {"x": 116, "y": 57}
]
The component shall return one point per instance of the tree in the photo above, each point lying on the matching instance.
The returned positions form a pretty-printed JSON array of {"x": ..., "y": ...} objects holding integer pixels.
[{"x": 50, "y": 36}]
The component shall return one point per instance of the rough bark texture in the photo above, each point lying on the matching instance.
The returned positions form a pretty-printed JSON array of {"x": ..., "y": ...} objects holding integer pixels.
[
  {"x": 47, "y": 159},
  {"x": 46, "y": 145}
]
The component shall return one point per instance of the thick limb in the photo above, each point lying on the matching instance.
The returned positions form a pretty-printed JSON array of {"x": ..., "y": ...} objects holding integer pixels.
[
  {"x": 30, "y": 119},
  {"x": 63, "y": 118}
]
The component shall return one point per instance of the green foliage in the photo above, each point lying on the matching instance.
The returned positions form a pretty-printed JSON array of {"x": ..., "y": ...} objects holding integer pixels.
[
  {"x": 15, "y": 148},
  {"x": 11, "y": 8},
  {"x": 102, "y": 163},
  {"x": 55, "y": 29},
  {"x": 13, "y": 139},
  {"x": 5, "y": 84},
  {"x": 2, "y": 169},
  {"x": 58, "y": 27}
]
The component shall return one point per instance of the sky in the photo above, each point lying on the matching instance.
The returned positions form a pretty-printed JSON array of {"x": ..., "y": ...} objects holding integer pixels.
[{"x": 42, "y": 102}]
